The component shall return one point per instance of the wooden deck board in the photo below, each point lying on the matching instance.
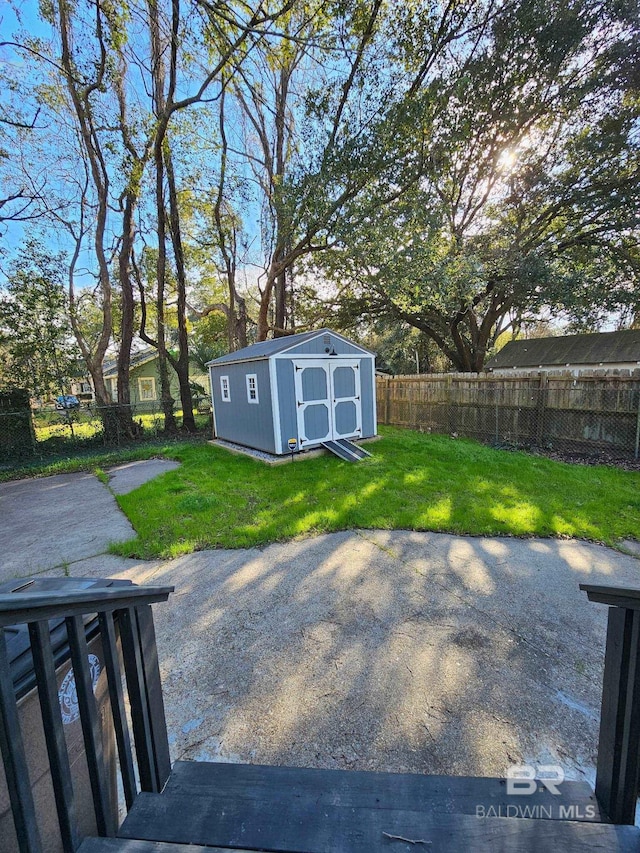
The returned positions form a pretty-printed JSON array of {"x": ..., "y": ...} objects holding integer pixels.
[
  {"x": 127, "y": 845},
  {"x": 361, "y": 789},
  {"x": 246, "y": 824}
]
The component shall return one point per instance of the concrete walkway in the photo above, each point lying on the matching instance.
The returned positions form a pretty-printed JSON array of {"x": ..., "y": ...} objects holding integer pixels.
[
  {"x": 46, "y": 524},
  {"x": 125, "y": 478},
  {"x": 368, "y": 650}
]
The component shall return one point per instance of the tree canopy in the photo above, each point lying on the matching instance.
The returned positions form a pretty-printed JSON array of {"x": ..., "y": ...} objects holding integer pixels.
[
  {"x": 457, "y": 169},
  {"x": 527, "y": 196}
]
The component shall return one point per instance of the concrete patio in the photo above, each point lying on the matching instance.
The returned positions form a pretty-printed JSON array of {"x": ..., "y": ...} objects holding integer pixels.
[{"x": 366, "y": 649}]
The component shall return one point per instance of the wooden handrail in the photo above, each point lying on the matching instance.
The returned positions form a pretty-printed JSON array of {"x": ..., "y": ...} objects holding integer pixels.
[
  {"x": 618, "y": 767},
  {"x": 18, "y": 608},
  {"x": 614, "y": 596},
  {"x": 125, "y": 617}
]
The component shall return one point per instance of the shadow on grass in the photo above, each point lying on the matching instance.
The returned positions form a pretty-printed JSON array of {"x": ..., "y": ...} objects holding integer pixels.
[{"x": 412, "y": 482}]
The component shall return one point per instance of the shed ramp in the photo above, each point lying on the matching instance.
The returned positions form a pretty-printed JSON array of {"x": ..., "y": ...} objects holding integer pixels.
[{"x": 346, "y": 450}]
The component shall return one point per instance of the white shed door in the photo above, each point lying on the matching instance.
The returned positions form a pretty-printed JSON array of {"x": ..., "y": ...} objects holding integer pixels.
[
  {"x": 327, "y": 399},
  {"x": 345, "y": 399}
]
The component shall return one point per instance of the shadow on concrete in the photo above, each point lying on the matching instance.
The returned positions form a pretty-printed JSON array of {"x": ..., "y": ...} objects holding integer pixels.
[{"x": 386, "y": 650}]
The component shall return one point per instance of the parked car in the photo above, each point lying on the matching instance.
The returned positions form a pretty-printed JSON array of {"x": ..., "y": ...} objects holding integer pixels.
[{"x": 67, "y": 401}]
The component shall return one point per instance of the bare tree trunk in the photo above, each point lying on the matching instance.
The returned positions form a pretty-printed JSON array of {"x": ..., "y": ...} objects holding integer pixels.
[
  {"x": 274, "y": 129},
  {"x": 136, "y": 163},
  {"x": 227, "y": 243},
  {"x": 282, "y": 219},
  {"x": 97, "y": 170},
  {"x": 280, "y": 316},
  {"x": 158, "y": 75},
  {"x": 166, "y": 399},
  {"x": 241, "y": 323},
  {"x": 125, "y": 413},
  {"x": 264, "y": 326},
  {"x": 181, "y": 365},
  {"x": 120, "y": 419}
]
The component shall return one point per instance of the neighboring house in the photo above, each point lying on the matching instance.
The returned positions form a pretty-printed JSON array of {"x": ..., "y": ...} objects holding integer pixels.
[
  {"x": 144, "y": 378},
  {"x": 311, "y": 388},
  {"x": 82, "y": 389},
  {"x": 577, "y": 353}
]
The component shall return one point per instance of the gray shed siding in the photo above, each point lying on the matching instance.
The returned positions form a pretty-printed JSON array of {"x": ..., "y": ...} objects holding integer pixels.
[
  {"x": 367, "y": 392},
  {"x": 238, "y": 420},
  {"x": 286, "y": 402},
  {"x": 270, "y": 424},
  {"x": 317, "y": 346}
]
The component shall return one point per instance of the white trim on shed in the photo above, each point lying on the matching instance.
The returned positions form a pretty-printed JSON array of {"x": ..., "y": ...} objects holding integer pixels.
[{"x": 275, "y": 405}]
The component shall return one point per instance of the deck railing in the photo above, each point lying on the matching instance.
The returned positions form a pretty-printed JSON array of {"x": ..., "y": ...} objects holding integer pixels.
[
  {"x": 123, "y": 612},
  {"x": 618, "y": 767}
]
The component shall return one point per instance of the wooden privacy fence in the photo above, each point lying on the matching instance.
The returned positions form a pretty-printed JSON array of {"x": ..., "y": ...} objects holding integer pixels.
[{"x": 586, "y": 413}]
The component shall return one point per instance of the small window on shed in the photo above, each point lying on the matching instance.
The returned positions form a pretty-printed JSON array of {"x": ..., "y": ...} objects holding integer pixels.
[
  {"x": 252, "y": 388},
  {"x": 224, "y": 389}
]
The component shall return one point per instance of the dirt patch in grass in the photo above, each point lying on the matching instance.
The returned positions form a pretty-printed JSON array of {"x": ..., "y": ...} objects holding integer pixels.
[{"x": 603, "y": 458}]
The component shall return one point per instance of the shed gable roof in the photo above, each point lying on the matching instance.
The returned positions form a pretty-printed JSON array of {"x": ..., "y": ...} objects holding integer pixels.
[
  {"x": 265, "y": 349},
  {"x": 595, "y": 349}
]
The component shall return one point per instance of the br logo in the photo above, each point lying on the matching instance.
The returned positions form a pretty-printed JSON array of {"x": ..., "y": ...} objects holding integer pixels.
[
  {"x": 68, "y": 695},
  {"x": 521, "y": 778}
]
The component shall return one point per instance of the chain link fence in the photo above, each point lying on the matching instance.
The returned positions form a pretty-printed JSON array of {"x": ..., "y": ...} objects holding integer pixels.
[
  {"x": 30, "y": 434},
  {"x": 587, "y": 416}
]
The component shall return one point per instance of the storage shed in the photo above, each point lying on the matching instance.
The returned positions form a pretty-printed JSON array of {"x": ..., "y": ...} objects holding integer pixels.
[{"x": 315, "y": 387}]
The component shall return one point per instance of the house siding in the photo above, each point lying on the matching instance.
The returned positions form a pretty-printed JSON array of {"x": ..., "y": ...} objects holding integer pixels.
[
  {"x": 238, "y": 420},
  {"x": 576, "y": 369},
  {"x": 149, "y": 370}
]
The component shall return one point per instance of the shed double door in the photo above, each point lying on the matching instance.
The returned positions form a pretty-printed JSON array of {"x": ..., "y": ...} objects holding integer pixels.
[{"x": 328, "y": 400}]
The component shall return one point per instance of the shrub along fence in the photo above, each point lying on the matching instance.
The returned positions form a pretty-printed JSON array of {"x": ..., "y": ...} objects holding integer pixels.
[
  {"x": 16, "y": 426},
  {"x": 587, "y": 414},
  {"x": 39, "y": 433}
]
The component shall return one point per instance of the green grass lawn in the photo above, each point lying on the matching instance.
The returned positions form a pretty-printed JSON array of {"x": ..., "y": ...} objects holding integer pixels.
[
  {"x": 73, "y": 459},
  {"x": 413, "y": 481}
]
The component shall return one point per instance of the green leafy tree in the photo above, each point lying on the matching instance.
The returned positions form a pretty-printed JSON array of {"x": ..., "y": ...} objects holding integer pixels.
[
  {"x": 35, "y": 334},
  {"x": 528, "y": 195},
  {"x": 311, "y": 103}
]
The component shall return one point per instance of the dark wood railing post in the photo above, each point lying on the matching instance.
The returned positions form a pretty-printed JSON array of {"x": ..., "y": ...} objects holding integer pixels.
[
  {"x": 131, "y": 605},
  {"x": 45, "y": 670},
  {"x": 15, "y": 761},
  {"x": 145, "y": 691},
  {"x": 114, "y": 681},
  {"x": 618, "y": 767},
  {"x": 151, "y": 669},
  {"x": 90, "y": 723}
]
